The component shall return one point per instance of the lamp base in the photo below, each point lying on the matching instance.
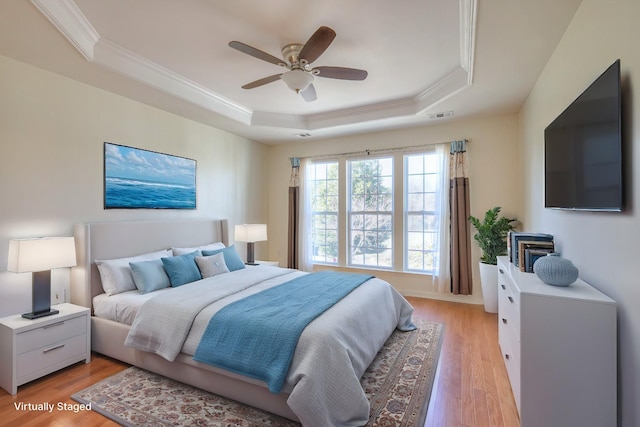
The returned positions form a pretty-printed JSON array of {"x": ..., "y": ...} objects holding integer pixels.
[
  {"x": 251, "y": 260},
  {"x": 40, "y": 295},
  {"x": 39, "y": 315}
]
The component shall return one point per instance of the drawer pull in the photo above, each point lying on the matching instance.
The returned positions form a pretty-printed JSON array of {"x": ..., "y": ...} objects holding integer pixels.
[
  {"x": 503, "y": 286},
  {"x": 504, "y": 321},
  {"x": 53, "y": 348},
  {"x": 510, "y": 299},
  {"x": 54, "y": 325},
  {"x": 506, "y": 356},
  {"x": 501, "y": 271}
]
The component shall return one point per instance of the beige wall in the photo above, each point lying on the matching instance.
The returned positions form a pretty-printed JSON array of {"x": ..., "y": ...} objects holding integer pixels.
[
  {"x": 604, "y": 246},
  {"x": 52, "y": 131},
  {"x": 493, "y": 174}
]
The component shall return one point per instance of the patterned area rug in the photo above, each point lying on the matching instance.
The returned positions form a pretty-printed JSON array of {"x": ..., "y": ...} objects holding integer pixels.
[{"x": 398, "y": 385}]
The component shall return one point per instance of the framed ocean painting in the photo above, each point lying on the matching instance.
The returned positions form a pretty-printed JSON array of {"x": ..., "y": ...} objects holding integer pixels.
[{"x": 140, "y": 179}]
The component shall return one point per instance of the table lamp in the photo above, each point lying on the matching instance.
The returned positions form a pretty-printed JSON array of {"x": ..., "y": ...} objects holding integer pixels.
[
  {"x": 39, "y": 256},
  {"x": 251, "y": 233}
]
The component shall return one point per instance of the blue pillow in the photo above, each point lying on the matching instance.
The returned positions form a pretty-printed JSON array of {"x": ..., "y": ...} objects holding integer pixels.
[
  {"x": 182, "y": 269},
  {"x": 149, "y": 275},
  {"x": 231, "y": 257}
]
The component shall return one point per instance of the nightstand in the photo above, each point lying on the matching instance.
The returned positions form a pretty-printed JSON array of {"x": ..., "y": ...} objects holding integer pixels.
[
  {"x": 30, "y": 349},
  {"x": 271, "y": 263}
]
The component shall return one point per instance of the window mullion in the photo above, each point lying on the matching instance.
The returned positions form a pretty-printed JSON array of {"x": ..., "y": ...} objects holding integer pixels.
[
  {"x": 343, "y": 233},
  {"x": 398, "y": 212}
]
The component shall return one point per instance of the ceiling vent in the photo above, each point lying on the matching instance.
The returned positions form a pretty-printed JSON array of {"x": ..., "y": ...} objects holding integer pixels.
[{"x": 441, "y": 115}]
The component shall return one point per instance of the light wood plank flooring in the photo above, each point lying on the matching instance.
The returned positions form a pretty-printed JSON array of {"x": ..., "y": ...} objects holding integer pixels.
[{"x": 472, "y": 388}]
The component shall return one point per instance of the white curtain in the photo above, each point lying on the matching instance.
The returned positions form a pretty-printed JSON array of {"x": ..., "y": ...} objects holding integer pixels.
[
  {"x": 442, "y": 277},
  {"x": 305, "y": 242}
]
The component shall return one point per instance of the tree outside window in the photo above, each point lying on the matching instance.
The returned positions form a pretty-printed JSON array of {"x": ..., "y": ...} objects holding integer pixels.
[
  {"x": 324, "y": 192},
  {"x": 370, "y": 212}
]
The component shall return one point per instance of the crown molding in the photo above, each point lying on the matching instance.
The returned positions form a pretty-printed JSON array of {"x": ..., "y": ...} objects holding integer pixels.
[
  {"x": 450, "y": 84},
  {"x": 71, "y": 22},
  {"x": 134, "y": 66},
  {"x": 468, "y": 14}
]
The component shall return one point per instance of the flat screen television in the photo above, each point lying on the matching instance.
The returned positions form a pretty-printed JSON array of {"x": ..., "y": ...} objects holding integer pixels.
[{"x": 583, "y": 149}]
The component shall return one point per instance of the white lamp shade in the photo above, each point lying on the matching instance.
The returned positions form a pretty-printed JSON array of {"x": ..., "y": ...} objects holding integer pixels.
[
  {"x": 30, "y": 255},
  {"x": 251, "y": 232},
  {"x": 297, "y": 80}
]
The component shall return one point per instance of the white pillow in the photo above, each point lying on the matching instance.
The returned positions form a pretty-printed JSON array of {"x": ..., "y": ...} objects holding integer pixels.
[
  {"x": 212, "y": 265},
  {"x": 116, "y": 273},
  {"x": 209, "y": 247}
]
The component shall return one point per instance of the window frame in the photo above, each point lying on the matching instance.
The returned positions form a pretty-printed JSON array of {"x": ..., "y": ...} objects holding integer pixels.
[
  {"x": 350, "y": 262},
  {"x": 423, "y": 212},
  {"x": 313, "y": 213},
  {"x": 399, "y": 221}
]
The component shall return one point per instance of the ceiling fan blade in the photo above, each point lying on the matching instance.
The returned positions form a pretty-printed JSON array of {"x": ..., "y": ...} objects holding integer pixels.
[
  {"x": 341, "y": 73},
  {"x": 317, "y": 44},
  {"x": 256, "y": 53},
  {"x": 309, "y": 94},
  {"x": 262, "y": 81}
]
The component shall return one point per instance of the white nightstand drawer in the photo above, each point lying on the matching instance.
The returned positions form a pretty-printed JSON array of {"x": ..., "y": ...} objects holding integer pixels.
[
  {"x": 50, "y": 334},
  {"x": 44, "y": 358},
  {"x": 30, "y": 349}
]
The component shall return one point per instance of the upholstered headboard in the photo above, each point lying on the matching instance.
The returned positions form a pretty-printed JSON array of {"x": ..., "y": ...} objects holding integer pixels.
[{"x": 109, "y": 240}]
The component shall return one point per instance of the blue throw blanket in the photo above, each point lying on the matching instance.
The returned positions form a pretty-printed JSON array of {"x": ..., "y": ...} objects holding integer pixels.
[{"x": 257, "y": 336}]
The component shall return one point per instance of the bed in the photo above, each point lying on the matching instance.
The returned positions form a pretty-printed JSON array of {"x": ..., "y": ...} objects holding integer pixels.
[{"x": 301, "y": 399}]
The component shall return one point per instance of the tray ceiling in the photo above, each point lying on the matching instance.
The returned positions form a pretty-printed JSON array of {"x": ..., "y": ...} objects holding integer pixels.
[{"x": 423, "y": 57}]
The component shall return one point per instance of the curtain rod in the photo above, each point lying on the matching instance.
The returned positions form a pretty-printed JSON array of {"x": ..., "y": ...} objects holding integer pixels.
[{"x": 378, "y": 150}]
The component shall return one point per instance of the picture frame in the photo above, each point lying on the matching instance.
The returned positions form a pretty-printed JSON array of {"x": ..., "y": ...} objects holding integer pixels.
[{"x": 135, "y": 178}]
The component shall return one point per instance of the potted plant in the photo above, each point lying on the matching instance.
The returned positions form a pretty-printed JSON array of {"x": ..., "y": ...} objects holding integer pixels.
[{"x": 492, "y": 238}]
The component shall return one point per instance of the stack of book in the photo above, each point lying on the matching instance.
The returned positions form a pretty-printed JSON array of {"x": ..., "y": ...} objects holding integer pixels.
[{"x": 525, "y": 248}]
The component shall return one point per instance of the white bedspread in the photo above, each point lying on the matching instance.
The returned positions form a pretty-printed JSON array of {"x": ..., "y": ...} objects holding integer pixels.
[
  {"x": 332, "y": 354},
  {"x": 122, "y": 307}
]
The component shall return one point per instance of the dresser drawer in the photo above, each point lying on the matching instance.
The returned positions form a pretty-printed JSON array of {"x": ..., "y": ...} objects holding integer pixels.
[
  {"x": 50, "y": 334},
  {"x": 513, "y": 370},
  {"x": 505, "y": 283},
  {"x": 508, "y": 306},
  {"x": 43, "y": 359}
]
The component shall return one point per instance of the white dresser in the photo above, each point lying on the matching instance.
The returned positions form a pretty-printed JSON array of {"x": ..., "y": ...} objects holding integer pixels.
[
  {"x": 559, "y": 347},
  {"x": 30, "y": 349}
]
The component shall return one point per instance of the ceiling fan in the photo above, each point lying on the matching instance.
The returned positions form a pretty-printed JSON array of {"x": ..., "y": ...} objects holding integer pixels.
[{"x": 297, "y": 59}]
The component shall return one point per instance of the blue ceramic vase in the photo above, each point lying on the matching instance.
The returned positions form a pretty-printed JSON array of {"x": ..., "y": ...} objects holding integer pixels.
[{"x": 555, "y": 270}]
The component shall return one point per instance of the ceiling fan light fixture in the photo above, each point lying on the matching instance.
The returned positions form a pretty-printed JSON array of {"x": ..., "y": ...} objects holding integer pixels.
[{"x": 297, "y": 80}]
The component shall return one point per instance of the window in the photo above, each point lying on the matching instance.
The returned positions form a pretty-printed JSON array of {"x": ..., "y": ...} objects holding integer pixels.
[
  {"x": 422, "y": 175},
  {"x": 378, "y": 212},
  {"x": 322, "y": 181},
  {"x": 370, "y": 212}
]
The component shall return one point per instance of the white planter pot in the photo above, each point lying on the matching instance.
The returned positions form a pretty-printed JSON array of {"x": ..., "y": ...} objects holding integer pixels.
[{"x": 489, "y": 282}]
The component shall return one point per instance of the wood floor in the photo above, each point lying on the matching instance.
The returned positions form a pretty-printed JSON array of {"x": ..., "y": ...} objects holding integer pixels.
[{"x": 472, "y": 388}]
